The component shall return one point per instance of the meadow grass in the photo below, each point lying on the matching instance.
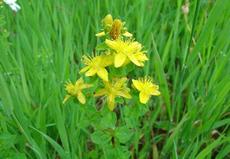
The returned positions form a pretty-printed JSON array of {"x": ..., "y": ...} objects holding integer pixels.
[{"x": 189, "y": 57}]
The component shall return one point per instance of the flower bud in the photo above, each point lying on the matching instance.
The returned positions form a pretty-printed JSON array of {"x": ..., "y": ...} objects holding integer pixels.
[
  {"x": 116, "y": 29},
  {"x": 108, "y": 20}
]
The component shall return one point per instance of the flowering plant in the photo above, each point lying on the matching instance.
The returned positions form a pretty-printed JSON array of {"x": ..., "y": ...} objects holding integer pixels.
[
  {"x": 111, "y": 75},
  {"x": 118, "y": 50}
]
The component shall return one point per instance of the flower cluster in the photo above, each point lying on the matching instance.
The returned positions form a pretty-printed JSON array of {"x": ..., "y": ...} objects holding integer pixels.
[{"x": 119, "y": 50}]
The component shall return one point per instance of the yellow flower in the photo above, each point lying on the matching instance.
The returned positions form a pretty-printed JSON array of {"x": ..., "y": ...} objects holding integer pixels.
[
  {"x": 114, "y": 28},
  {"x": 127, "y": 50},
  {"x": 96, "y": 65},
  {"x": 75, "y": 90},
  {"x": 146, "y": 88},
  {"x": 107, "y": 24},
  {"x": 116, "y": 88}
]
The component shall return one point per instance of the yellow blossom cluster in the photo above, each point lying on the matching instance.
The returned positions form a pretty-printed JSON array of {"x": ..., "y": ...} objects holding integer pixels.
[{"x": 120, "y": 49}]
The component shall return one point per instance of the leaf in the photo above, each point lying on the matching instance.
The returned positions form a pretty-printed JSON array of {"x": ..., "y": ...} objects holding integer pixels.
[
  {"x": 7, "y": 140},
  {"x": 118, "y": 72},
  {"x": 120, "y": 152},
  {"x": 123, "y": 134},
  {"x": 165, "y": 125},
  {"x": 92, "y": 154},
  {"x": 55, "y": 145},
  {"x": 206, "y": 151},
  {"x": 129, "y": 68},
  {"x": 10, "y": 154},
  {"x": 100, "y": 137},
  {"x": 108, "y": 121},
  {"x": 19, "y": 156}
]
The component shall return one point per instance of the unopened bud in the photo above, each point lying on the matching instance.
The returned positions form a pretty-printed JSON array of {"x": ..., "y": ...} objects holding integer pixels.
[
  {"x": 116, "y": 29},
  {"x": 108, "y": 20},
  {"x": 100, "y": 34}
]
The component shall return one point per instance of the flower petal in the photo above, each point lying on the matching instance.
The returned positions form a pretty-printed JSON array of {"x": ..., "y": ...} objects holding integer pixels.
[
  {"x": 135, "y": 60},
  {"x": 134, "y": 47},
  {"x": 103, "y": 74},
  {"x": 124, "y": 93},
  {"x": 120, "y": 82},
  {"x": 91, "y": 72},
  {"x": 127, "y": 34},
  {"x": 81, "y": 97},
  {"x": 79, "y": 82},
  {"x": 119, "y": 59},
  {"x": 115, "y": 45},
  {"x": 107, "y": 60},
  {"x": 137, "y": 84},
  {"x": 66, "y": 98},
  {"x": 111, "y": 44},
  {"x": 101, "y": 92},
  {"x": 84, "y": 69},
  {"x": 144, "y": 97},
  {"x": 154, "y": 91},
  {"x": 141, "y": 56},
  {"x": 111, "y": 102}
]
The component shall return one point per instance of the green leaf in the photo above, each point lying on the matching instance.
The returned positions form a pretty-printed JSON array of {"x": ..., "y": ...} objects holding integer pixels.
[
  {"x": 120, "y": 100},
  {"x": 165, "y": 125},
  {"x": 19, "y": 156},
  {"x": 116, "y": 152},
  {"x": 117, "y": 72},
  {"x": 100, "y": 137},
  {"x": 7, "y": 140},
  {"x": 122, "y": 152},
  {"x": 108, "y": 120},
  {"x": 206, "y": 151},
  {"x": 123, "y": 134},
  {"x": 55, "y": 145},
  {"x": 92, "y": 154}
]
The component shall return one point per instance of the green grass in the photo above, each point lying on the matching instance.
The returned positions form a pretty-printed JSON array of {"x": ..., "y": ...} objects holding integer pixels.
[{"x": 41, "y": 47}]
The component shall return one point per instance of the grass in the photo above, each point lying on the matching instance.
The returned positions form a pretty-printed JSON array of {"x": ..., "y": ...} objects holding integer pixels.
[{"x": 189, "y": 57}]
